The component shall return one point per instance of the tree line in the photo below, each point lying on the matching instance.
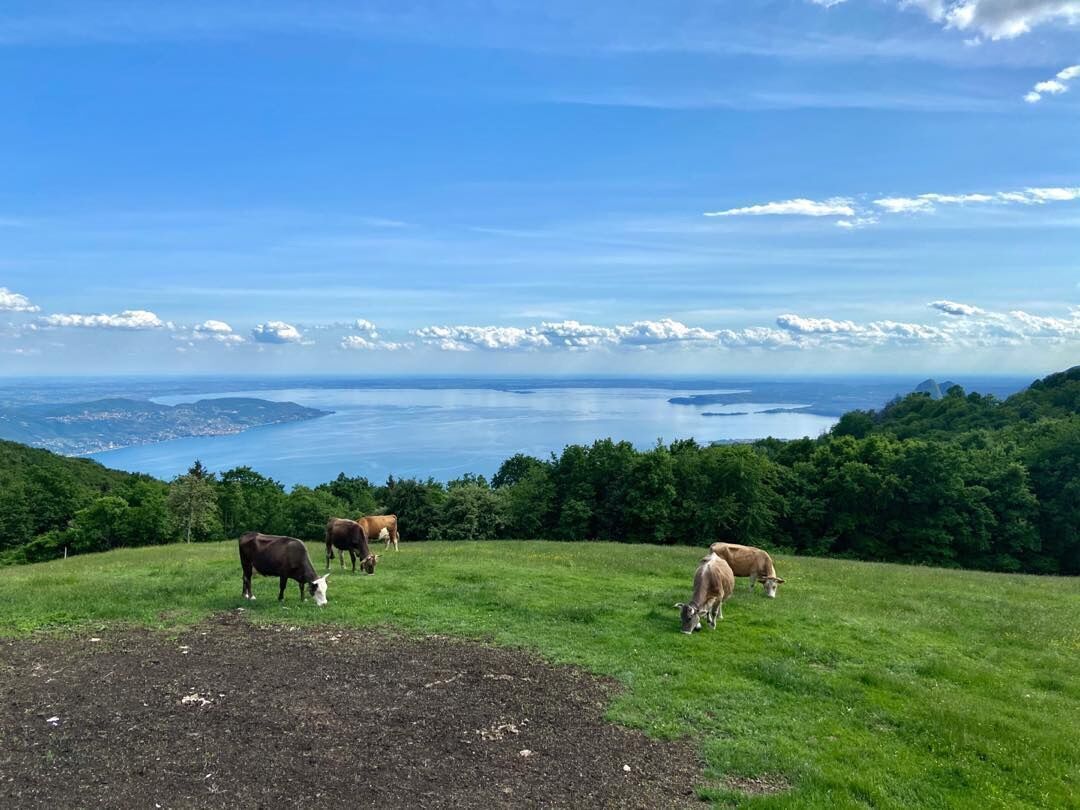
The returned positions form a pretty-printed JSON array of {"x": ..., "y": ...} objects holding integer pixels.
[{"x": 966, "y": 480}]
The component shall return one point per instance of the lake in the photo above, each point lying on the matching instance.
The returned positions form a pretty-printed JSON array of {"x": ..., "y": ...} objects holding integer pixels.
[{"x": 445, "y": 428}]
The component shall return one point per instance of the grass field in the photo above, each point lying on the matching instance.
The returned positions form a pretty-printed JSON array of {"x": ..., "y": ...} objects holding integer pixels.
[{"x": 861, "y": 685}]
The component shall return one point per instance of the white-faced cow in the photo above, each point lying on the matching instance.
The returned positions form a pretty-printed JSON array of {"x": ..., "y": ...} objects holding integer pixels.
[
  {"x": 713, "y": 585},
  {"x": 748, "y": 561},
  {"x": 284, "y": 557},
  {"x": 383, "y": 527},
  {"x": 349, "y": 535}
]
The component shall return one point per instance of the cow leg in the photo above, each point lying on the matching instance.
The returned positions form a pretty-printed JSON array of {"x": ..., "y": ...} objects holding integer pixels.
[
  {"x": 753, "y": 579},
  {"x": 352, "y": 556},
  {"x": 329, "y": 555},
  {"x": 301, "y": 584},
  {"x": 341, "y": 559},
  {"x": 246, "y": 565},
  {"x": 282, "y": 581},
  {"x": 712, "y": 616},
  {"x": 719, "y": 611}
]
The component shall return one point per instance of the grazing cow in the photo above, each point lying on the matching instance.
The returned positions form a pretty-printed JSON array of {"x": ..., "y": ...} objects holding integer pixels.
[
  {"x": 382, "y": 526},
  {"x": 748, "y": 561},
  {"x": 284, "y": 557},
  {"x": 348, "y": 535},
  {"x": 713, "y": 585}
]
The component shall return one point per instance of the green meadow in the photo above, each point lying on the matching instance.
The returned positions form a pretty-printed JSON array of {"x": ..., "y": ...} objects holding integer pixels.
[{"x": 861, "y": 685}]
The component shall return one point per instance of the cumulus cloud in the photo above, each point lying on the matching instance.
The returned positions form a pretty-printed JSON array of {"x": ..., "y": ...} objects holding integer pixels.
[
  {"x": 993, "y": 19},
  {"x": 958, "y": 325},
  {"x": 129, "y": 319},
  {"x": 217, "y": 331},
  {"x": 276, "y": 332},
  {"x": 367, "y": 327},
  {"x": 14, "y": 302},
  {"x": 801, "y": 207}
]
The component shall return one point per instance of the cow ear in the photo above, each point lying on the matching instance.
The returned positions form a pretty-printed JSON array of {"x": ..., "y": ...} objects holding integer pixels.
[{"x": 779, "y": 580}]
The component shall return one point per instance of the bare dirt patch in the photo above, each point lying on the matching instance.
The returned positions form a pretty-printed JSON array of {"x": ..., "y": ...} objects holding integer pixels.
[{"x": 231, "y": 713}]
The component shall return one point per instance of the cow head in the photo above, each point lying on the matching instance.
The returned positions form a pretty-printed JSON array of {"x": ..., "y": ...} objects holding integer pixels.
[
  {"x": 770, "y": 584},
  {"x": 367, "y": 565},
  {"x": 318, "y": 590},
  {"x": 691, "y": 617}
]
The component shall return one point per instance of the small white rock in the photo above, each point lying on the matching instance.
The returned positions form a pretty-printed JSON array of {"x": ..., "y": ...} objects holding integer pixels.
[
  {"x": 525, "y": 752},
  {"x": 53, "y": 720},
  {"x": 95, "y": 638},
  {"x": 626, "y": 768}
]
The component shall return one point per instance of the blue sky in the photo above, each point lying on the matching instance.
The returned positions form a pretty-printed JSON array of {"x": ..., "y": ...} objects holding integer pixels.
[{"x": 687, "y": 186}]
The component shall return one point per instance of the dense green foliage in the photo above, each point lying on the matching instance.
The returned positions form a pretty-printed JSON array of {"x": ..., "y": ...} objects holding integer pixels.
[
  {"x": 962, "y": 481},
  {"x": 862, "y": 685}
]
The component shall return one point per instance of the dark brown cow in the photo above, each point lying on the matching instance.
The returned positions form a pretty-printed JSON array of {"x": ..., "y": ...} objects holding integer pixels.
[
  {"x": 381, "y": 527},
  {"x": 273, "y": 555},
  {"x": 349, "y": 535}
]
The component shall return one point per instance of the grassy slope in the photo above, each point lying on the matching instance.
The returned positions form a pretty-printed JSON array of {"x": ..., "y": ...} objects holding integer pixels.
[{"x": 862, "y": 684}]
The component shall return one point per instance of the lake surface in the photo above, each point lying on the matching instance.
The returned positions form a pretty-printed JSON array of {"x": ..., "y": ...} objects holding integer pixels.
[
  {"x": 446, "y": 432},
  {"x": 445, "y": 427}
]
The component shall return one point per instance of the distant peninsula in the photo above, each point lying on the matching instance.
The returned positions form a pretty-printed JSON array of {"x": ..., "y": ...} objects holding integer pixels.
[{"x": 81, "y": 428}]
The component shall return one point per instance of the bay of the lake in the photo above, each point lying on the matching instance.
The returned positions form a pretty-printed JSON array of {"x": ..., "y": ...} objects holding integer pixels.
[{"x": 445, "y": 432}]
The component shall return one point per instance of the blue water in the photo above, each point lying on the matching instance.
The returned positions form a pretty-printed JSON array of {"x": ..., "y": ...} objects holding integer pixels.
[
  {"x": 443, "y": 429},
  {"x": 444, "y": 433}
]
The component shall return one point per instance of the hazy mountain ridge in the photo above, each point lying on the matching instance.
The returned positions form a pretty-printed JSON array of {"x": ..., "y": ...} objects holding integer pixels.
[{"x": 106, "y": 424}]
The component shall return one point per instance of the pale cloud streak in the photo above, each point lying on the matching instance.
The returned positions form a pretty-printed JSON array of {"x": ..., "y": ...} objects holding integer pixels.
[
  {"x": 992, "y": 19},
  {"x": 836, "y": 206}
]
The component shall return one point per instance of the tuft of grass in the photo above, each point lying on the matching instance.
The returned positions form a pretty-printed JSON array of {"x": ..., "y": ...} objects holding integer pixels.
[{"x": 861, "y": 685}]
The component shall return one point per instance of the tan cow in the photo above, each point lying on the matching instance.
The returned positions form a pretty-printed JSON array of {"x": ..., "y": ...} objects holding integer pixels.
[
  {"x": 383, "y": 527},
  {"x": 713, "y": 585},
  {"x": 748, "y": 561}
]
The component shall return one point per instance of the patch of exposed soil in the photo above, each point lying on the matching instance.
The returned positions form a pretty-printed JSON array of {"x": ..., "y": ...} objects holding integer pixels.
[
  {"x": 765, "y": 785},
  {"x": 232, "y": 714}
]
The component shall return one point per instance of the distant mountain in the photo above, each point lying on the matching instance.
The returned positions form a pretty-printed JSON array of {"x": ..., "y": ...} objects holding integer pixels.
[
  {"x": 935, "y": 389},
  {"x": 80, "y": 428}
]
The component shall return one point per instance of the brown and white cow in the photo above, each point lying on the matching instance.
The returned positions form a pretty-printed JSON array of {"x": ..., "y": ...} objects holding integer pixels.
[
  {"x": 713, "y": 585},
  {"x": 286, "y": 558},
  {"x": 383, "y": 527},
  {"x": 349, "y": 535},
  {"x": 748, "y": 561}
]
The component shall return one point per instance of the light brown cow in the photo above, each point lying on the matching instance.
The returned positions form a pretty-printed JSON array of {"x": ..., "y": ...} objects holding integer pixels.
[
  {"x": 713, "y": 585},
  {"x": 748, "y": 561},
  {"x": 383, "y": 527}
]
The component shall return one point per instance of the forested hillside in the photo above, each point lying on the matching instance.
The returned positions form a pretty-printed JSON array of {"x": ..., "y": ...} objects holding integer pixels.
[{"x": 965, "y": 480}]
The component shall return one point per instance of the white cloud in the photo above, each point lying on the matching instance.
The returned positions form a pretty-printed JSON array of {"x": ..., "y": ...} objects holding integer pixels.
[
  {"x": 276, "y": 332},
  {"x": 14, "y": 302},
  {"x": 218, "y": 331},
  {"x": 953, "y": 308},
  {"x": 129, "y": 319},
  {"x": 1055, "y": 86},
  {"x": 810, "y": 326},
  {"x": 1053, "y": 194},
  {"x": 959, "y": 325},
  {"x": 467, "y": 338},
  {"x": 835, "y": 206},
  {"x": 365, "y": 326},
  {"x": 359, "y": 343},
  {"x": 994, "y": 19},
  {"x": 903, "y": 205}
]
